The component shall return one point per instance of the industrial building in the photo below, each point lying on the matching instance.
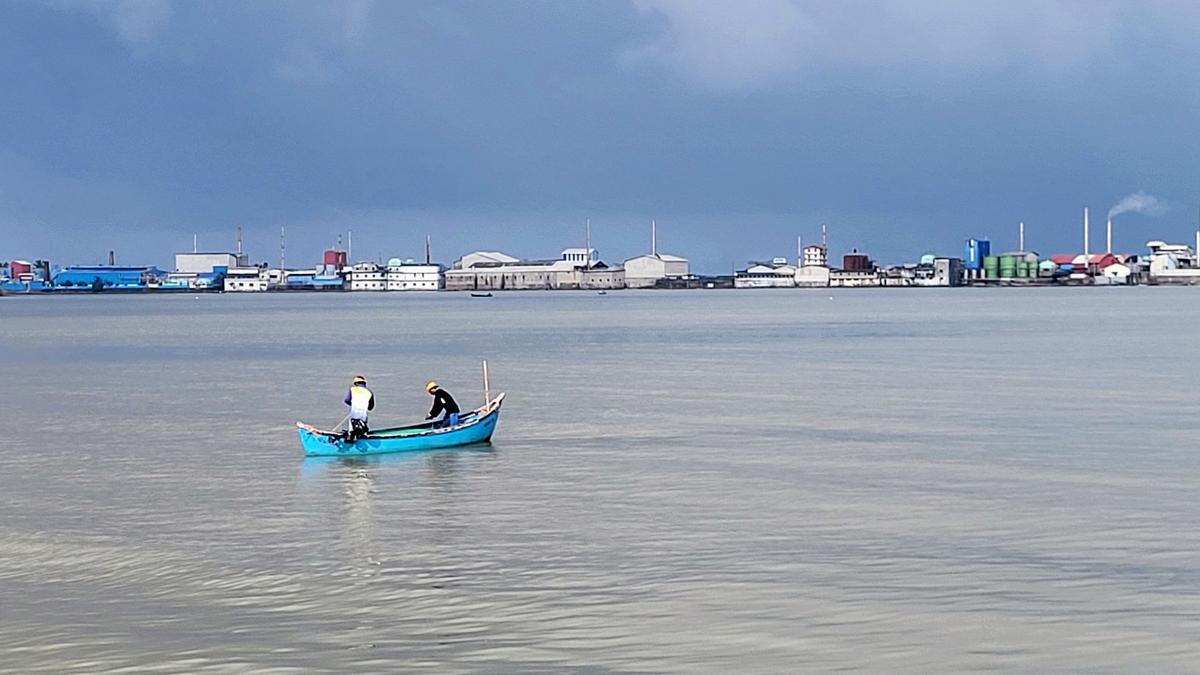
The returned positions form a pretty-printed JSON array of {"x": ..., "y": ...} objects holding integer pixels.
[
  {"x": 854, "y": 278},
  {"x": 812, "y": 276},
  {"x": 365, "y": 276},
  {"x": 814, "y": 255},
  {"x": 857, "y": 270},
  {"x": 647, "y": 271},
  {"x": 25, "y": 277},
  {"x": 207, "y": 263},
  {"x": 857, "y": 262},
  {"x": 410, "y": 276},
  {"x": 654, "y": 269},
  {"x": 397, "y": 275},
  {"x": 577, "y": 268},
  {"x": 974, "y": 252},
  {"x": 775, "y": 274},
  {"x": 1174, "y": 263},
  {"x": 813, "y": 271},
  {"x": 247, "y": 280},
  {"x": 309, "y": 280},
  {"x": 930, "y": 271},
  {"x": 101, "y": 277}
]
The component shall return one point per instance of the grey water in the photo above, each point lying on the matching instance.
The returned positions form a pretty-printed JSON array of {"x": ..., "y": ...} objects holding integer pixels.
[{"x": 899, "y": 481}]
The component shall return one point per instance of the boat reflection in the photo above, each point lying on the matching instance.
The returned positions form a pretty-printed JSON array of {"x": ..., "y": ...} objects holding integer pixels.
[{"x": 362, "y": 480}]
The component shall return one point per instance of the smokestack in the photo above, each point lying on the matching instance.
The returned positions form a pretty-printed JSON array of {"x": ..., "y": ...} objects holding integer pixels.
[
  {"x": 1085, "y": 231},
  {"x": 1109, "y": 250},
  {"x": 194, "y": 243},
  {"x": 282, "y": 247},
  {"x": 112, "y": 258},
  {"x": 824, "y": 241},
  {"x": 350, "y": 246},
  {"x": 427, "y": 243},
  {"x": 653, "y": 238},
  {"x": 239, "y": 240},
  {"x": 1021, "y": 236},
  {"x": 799, "y": 253},
  {"x": 587, "y": 244}
]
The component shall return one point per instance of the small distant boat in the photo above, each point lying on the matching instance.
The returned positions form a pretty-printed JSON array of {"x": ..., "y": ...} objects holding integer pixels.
[
  {"x": 601, "y": 292},
  {"x": 473, "y": 428},
  {"x": 481, "y": 295}
]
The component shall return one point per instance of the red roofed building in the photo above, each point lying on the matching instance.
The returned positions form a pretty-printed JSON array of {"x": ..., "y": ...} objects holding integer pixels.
[{"x": 1093, "y": 264}]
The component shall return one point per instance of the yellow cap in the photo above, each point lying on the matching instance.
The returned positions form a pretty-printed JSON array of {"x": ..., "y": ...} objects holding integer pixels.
[{"x": 431, "y": 385}]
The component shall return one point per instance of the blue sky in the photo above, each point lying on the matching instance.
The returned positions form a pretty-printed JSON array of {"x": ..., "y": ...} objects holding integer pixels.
[{"x": 906, "y": 126}]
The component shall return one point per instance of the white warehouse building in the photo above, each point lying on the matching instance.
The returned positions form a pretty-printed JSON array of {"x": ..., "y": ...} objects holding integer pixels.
[
  {"x": 644, "y": 271},
  {"x": 365, "y": 276},
  {"x": 410, "y": 276},
  {"x": 205, "y": 263},
  {"x": 247, "y": 280}
]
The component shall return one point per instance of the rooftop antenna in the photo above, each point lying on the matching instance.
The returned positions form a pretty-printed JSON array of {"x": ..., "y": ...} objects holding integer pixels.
[
  {"x": 1021, "y": 236},
  {"x": 653, "y": 238},
  {"x": 1085, "y": 231},
  {"x": 427, "y": 258}
]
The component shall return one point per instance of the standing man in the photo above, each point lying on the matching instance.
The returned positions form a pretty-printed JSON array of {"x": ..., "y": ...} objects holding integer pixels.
[
  {"x": 361, "y": 401},
  {"x": 444, "y": 409}
]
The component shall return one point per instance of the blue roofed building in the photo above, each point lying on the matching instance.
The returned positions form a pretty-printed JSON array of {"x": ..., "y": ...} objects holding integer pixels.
[{"x": 97, "y": 277}]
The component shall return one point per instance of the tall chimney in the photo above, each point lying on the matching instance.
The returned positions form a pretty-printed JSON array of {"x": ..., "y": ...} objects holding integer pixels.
[
  {"x": 1109, "y": 250},
  {"x": 350, "y": 246},
  {"x": 239, "y": 240},
  {"x": 194, "y": 239},
  {"x": 653, "y": 238},
  {"x": 427, "y": 243},
  {"x": 112, "y": 258},
  {"x": 799, "y": 252},
  {"x": 824, "y": 241},
  {"x": 587, "y": 244},
  {"x": 281, "y": 249},
  {"x": 1021, "y": 236},
  {"x": 1085, "y": 231}
]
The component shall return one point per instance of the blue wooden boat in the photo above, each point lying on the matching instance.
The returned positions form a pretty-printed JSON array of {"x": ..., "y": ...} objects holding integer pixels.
[{"x": 473, "y": 427}]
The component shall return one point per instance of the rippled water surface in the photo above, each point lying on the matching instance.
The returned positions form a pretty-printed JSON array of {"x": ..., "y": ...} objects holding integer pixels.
[{"x": 889, "y": 481}]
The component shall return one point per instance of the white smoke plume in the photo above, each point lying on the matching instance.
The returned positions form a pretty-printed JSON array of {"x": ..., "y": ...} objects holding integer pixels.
[{"x": 1138, "y": 202}]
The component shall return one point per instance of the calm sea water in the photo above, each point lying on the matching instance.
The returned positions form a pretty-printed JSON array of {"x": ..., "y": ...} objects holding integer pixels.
[{"x": 777, "y": 481}]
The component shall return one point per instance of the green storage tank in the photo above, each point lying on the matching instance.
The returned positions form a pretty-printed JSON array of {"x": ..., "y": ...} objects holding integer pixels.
[
  {"x": 1008, "y": 266},
  {"x": 991, "y": 267}
]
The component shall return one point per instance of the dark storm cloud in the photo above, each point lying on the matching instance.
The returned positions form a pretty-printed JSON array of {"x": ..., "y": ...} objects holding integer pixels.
[{"x": 906, "y": 125}]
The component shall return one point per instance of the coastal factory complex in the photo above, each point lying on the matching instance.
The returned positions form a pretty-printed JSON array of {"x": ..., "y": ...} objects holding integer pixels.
[{"x": 582, "y": 269}]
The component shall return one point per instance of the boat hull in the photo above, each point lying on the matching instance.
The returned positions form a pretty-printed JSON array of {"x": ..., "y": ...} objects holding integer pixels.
[{"x": 478, "y": 428}]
